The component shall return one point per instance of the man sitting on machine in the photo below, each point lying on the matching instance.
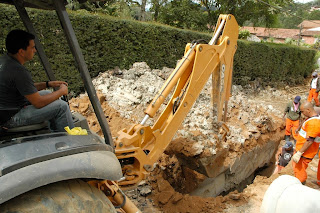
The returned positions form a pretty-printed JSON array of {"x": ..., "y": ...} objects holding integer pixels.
[{"x": 23, "y": 102}]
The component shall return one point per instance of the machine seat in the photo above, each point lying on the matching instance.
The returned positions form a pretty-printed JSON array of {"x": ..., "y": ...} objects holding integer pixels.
[{"x": 28, "y": 128}]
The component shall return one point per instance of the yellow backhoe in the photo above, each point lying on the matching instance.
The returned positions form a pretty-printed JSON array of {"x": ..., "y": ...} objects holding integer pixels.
[{"x": 139, "y": 147}]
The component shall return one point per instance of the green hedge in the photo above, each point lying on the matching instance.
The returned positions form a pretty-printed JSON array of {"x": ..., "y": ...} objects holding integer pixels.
[
  {"x": 273, "y": 64},
  {"x": 108, "y": 43}
]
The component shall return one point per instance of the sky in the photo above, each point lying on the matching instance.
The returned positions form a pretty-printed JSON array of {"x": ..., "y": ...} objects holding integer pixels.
[{"x": 302, "y": 1}]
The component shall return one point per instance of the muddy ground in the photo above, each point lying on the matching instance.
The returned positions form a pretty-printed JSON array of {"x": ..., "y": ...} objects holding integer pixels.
[{"x": 254, "y": 118}]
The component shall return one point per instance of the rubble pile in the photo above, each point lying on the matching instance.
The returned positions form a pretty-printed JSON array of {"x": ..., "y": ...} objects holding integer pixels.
[{"x": 130, "y": 91}]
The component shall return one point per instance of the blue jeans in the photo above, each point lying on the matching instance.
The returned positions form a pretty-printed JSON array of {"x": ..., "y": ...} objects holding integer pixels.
[{"x": 57, "y": 113}]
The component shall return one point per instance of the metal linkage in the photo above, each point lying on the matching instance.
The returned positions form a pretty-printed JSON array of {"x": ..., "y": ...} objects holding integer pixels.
[{"x": 83, "y": 69}]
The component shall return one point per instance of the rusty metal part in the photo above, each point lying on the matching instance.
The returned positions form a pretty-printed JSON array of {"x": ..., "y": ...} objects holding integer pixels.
[
  {"x": 298, "y": 90},
  {"x": 224, "y": 131},
  {"x": 115, "y": 195}
]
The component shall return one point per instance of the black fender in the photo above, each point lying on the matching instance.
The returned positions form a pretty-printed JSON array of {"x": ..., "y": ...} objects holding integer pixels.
[
  {"x": 95, "y": 164},
  {"x": 30, "y": 162}
]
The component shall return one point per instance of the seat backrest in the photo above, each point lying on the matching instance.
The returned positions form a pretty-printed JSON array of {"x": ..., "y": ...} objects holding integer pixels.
[{"x": 7, "y": 113}]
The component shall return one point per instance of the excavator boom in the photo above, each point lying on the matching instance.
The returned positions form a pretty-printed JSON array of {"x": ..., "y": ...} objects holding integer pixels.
[{"x": 139, "y": 147}]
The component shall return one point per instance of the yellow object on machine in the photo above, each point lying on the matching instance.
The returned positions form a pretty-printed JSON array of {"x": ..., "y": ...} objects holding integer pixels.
[
  {"x": 139, "y": 147},
  {"x": 76, "y": 131}
]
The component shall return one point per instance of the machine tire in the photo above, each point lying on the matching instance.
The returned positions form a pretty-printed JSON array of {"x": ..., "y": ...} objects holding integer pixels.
[{"x": 72, "y": 196}]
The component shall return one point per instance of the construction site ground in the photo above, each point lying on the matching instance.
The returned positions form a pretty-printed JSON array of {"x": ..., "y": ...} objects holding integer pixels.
[{"x": 254, "y": 117}]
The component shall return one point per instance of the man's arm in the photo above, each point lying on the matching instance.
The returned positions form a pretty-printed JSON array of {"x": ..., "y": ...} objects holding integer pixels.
[
  {"x": 307, "y": 144},
  {"x": 40, "y": 85},
  {"x": 43, "y": 85},
  {"x": 301, "y": 121},
  {"x": 40, "y": 101},
  {"x": 296, "y": 157},
  {"x": 300, "y": 125},
  {"x": 286, "y": 110},
  {"x": 278, "y": 154}
]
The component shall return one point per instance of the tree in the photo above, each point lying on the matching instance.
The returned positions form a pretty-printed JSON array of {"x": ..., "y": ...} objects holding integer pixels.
[
  {"x": 294, "y": 14},
  {"x": 184, "y": 14},
  {"x": 258, "y": 12},
  {"x": 210, "y": 7},
  {"x": 314, "y": 15},
  {"x": 191, "y": 14},
  {"x": 156, "y": 7},
  {"x": 141, "y": 16}
]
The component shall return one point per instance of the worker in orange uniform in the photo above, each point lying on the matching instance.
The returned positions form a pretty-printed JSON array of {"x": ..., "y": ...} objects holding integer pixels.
[
  {"x": 293, "y": 117},
  {"x": 318, "y": 172},
  {"x": 314, "y": 88},
  {"x": 317, "y": 109},
  {"x": 307, "y": 142}
]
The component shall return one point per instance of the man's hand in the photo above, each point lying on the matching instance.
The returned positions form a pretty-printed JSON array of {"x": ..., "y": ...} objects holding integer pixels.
[
  {"x": 296, "y": 157},
  {"x": 57, "y": 83},
  {"x": 64, "y": 89},
  {"x": 40, "y": 101}
]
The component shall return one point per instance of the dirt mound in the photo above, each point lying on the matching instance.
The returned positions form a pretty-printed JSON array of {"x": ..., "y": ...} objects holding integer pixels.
[{"x": 115, "y": 120}]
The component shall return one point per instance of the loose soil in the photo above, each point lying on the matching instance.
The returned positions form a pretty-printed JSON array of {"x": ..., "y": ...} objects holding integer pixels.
[{"x": 254, "y": 118}]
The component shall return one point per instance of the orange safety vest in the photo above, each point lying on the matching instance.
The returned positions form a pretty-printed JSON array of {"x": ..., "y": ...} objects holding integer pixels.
[{"x": 310, "y": 128}]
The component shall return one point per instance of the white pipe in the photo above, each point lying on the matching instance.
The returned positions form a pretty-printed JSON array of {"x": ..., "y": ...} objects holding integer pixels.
[
  {"x": 146, "y": 117},
  {"x": 287, "y": 194},
  {"x": 214, "y": 38}
]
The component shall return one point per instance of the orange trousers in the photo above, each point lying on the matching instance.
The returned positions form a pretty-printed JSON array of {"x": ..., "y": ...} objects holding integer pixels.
[
  {"x": 300, "y": 169},
  {"x": 313, "y": 95},
  {"x": 290, "y": 124},
  {"x": 318, "y": 173}
]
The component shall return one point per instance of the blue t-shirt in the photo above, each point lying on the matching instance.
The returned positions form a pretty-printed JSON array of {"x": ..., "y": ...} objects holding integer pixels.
[{"x": 15, "y": 83}]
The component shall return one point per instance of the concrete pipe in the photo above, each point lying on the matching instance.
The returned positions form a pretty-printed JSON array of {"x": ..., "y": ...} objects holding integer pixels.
[{"x": 287, "y": 194}]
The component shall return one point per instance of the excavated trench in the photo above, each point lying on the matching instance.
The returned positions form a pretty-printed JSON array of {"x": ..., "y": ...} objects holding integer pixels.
[{"x": 189, "y": 175}]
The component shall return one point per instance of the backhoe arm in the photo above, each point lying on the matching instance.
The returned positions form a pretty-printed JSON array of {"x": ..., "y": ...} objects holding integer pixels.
[{"x": 141, "y": 146}]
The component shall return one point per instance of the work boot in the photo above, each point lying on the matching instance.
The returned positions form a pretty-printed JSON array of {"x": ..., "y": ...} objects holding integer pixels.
[{"x": 287, "y": 138}]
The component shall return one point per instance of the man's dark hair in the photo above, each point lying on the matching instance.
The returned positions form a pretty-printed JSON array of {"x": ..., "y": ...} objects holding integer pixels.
[{"x": 18, "y": 39}]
